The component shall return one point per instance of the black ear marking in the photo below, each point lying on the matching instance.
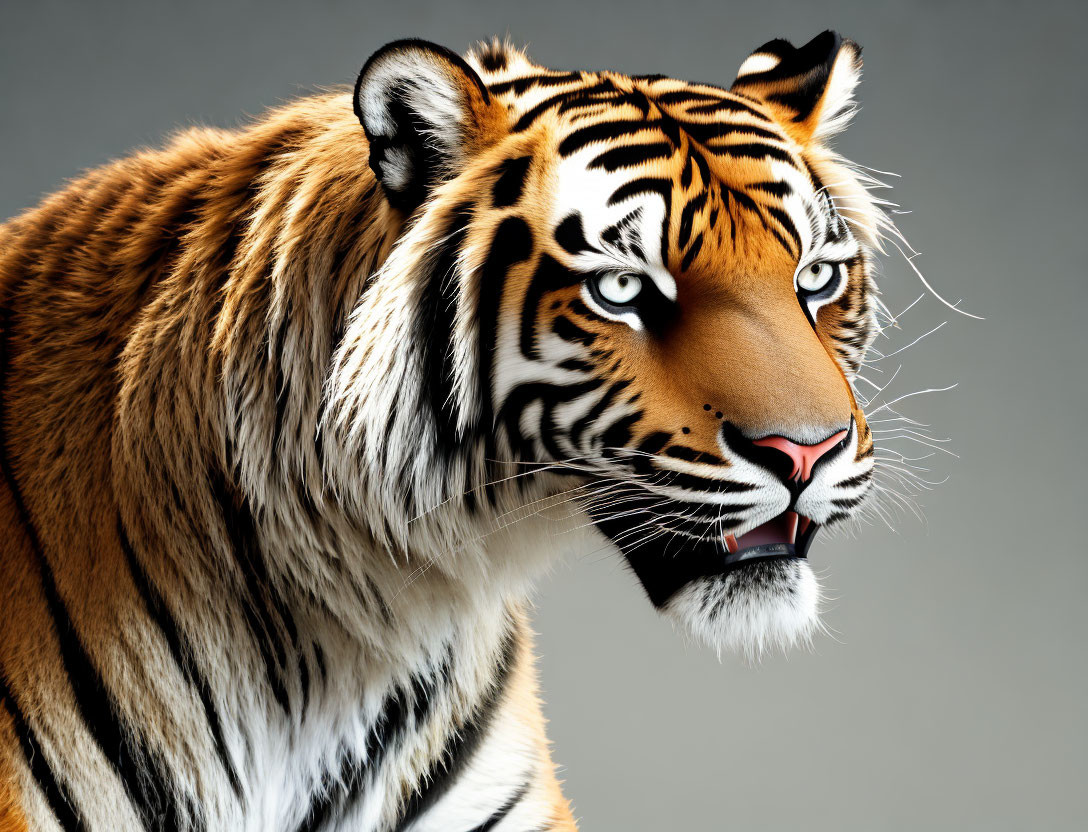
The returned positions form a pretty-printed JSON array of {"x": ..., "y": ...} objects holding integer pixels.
[
  {"x": 417, "y": 103},
  {"x": 810, "y": 67},
  {"x": 811, "y": 86}
]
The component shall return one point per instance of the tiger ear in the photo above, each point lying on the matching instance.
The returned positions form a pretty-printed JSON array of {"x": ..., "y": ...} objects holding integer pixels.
[
  {"x": 810, "y": 88},
  {"x": 423, "y": 109}
]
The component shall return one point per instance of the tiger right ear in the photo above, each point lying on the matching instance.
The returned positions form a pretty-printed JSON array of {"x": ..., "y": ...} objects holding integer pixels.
[
  {"x": 809, "y": 88},
  {"x": 423, "y": 109}
]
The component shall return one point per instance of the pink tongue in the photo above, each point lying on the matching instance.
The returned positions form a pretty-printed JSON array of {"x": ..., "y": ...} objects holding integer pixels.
[{"x": 781, "y": 529}]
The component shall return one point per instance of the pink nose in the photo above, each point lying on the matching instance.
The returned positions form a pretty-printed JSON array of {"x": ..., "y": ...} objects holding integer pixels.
[{"x": 804, "y": 456}]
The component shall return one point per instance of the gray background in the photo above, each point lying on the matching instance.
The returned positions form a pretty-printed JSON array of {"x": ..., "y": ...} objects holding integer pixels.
[{"x": 952, "y": 694}]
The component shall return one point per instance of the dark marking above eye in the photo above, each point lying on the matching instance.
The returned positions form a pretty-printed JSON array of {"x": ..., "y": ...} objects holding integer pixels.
[
  {"x": 508, "y": 187},
  {"x": 611, "y": 236},
  {"x": 570, "y": 234},
  {"x": 718, "y": 414},
  {"x": 685, "y": 430},
  {"x": 706, "y": 407}
]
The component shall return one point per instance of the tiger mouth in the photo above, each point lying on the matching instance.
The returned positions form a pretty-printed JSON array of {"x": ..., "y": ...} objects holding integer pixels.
[
  {"x": 664, "y": 567},
  {"x": 788, "y": 535}
]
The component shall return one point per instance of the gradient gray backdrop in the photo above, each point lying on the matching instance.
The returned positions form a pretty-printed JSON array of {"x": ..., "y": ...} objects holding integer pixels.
[{"x": 952, "y": 695}]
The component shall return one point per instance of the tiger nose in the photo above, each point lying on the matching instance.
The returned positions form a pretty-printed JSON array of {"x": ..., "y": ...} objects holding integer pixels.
[{"x": 803, "y": 458}]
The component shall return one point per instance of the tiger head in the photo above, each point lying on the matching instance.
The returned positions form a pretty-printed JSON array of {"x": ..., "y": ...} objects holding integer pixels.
[{"x": 659, "y": 288}]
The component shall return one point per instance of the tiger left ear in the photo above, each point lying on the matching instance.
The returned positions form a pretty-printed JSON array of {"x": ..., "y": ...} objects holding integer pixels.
[
  {"x": 810, "y": 88},
  {"x": 424, "y": 111}
]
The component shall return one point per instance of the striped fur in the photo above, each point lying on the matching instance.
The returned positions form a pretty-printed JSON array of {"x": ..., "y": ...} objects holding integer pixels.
[{"x": 293, "y": 415}]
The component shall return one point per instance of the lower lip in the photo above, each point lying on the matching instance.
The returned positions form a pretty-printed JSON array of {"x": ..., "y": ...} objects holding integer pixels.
[{"x": 786, "y": 536}]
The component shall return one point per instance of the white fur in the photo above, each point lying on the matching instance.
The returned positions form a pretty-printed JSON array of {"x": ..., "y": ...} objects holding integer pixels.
[
  {"x": 753, "y": 620},
  {"x": 837, "y": 107}
]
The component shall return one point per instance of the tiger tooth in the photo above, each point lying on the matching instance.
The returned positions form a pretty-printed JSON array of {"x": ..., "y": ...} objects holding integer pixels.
[{"x": 791, "y": 526}]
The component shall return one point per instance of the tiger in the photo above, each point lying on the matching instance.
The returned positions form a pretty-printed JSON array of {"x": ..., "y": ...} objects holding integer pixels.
[{"x": 294, "y": 415}]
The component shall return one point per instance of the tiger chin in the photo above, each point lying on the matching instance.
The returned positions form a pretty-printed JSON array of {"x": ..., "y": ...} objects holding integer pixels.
[{"x": 292, "y": 417}]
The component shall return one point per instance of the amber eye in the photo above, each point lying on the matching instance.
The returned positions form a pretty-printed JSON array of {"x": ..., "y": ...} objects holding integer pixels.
[
  {"x": 815, "y": 277},
  {"x": 619, "y": 288}
]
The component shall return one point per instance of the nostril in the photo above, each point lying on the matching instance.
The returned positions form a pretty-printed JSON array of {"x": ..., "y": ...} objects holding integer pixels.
[
  {"x": 802, "y": 458},
  {"x": 790, "y": 461}
]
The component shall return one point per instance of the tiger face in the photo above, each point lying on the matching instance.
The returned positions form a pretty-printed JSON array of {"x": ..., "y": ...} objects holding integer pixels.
[{"x": 662, "y": 288}]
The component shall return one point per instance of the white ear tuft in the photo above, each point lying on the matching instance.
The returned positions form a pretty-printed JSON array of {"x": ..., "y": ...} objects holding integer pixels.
[{"x": 838, "y": 107}]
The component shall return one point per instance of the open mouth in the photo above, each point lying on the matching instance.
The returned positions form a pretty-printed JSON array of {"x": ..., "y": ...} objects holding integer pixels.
[
  {"x": 666, "y": 563},
  {"x": 786, "y": 536}
]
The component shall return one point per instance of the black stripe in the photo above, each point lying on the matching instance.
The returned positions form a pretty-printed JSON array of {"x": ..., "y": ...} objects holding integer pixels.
[
  {"x": 578, "y": 97},
  {"x": 778, "y": 189},
  {"x": 687, "y": 218},
  {"x": 181, "y": 651},
  {"x": 730, "y": 105},
  {"x": 435, "y": 321},
  {"x": 513, "y": 243},
  {"x": 55, "y": 794},
  {"x": 692, "y": 253},
  {"x": 650, "y": 184},
  {"x": 594, "y": 413},
  {"x": 752, "y": 150},
  {"x": 607, "y": 131},
  {"x": 549, "y": 276},
  {"x": 281, "y": 386},
  {"x": 511, "y": 182},
  {"x": 406, "y": 709},
  {"x": 462, "y": 744},
  {"x": 566, "y": 329},
  {"x": 142, "y": 771},
  {"x": 503, "y": 810},
  {"x": 261, "y": 605},
  {"x": 571, "y": 235},
  {"x": 685, "y": 96},
  {"x": 851, "y": 482},
  {"x": 334, "y": 792},
  {"x": 631, "y": 155},
  {"x": 549, "y": 395},
  {"x": 519, "y": 86},
  {"x": 705, "y": 133},
  {"x": 787, "y": 224}
]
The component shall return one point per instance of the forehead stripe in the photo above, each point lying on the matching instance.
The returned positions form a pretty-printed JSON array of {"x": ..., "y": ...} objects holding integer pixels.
[
  {"x": 581, "y": 96},
  {"x": 520, "y": 86},
  {"x": 602, "y": 132},
  {"x": 631, "y": 155},
  {"x": 752, "y": 150},
  {"x": 729, "y": 105}
]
